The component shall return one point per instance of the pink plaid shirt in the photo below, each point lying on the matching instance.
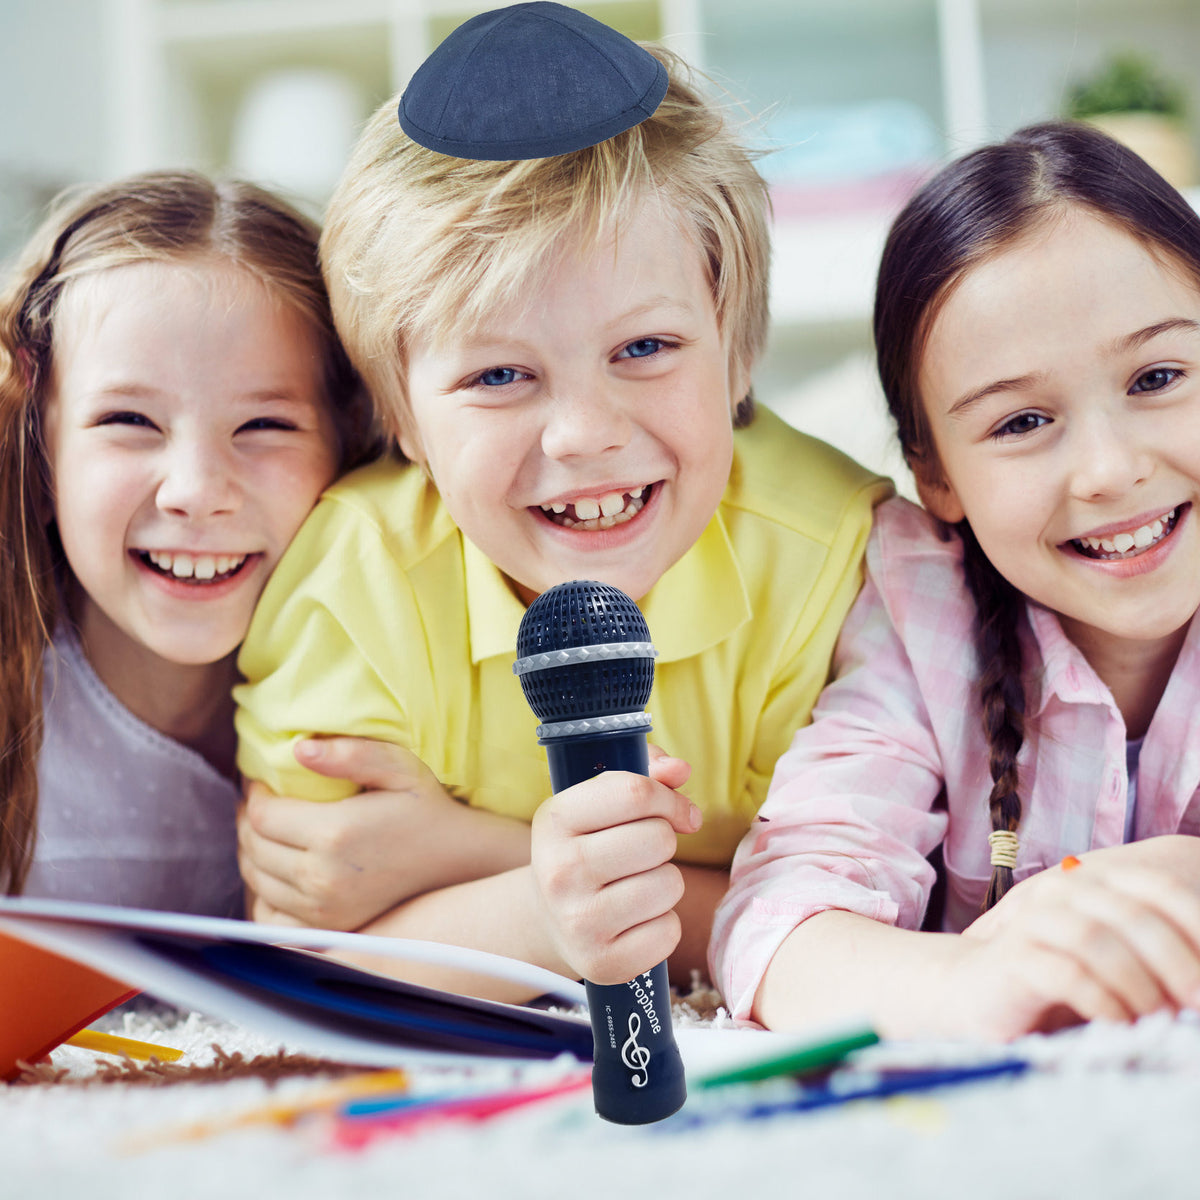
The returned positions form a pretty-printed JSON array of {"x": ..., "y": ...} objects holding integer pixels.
[{"x": 895, "y": 762}]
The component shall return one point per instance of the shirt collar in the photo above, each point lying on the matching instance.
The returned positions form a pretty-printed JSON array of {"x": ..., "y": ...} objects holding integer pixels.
[
  {"x": 1067, "y": 674},
  {"x": 699, "y": 602}
]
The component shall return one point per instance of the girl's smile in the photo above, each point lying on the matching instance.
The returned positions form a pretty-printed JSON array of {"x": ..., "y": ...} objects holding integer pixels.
[
  {"x": 1061, "y": 381},
  {"x": 1121, "y": 543},
  {"x": 195, "y": 576},
  {"x": 188, "y": 436}
]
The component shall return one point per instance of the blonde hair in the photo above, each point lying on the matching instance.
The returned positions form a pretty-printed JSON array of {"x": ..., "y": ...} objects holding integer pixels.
[
  {"x": 419, "y": 242},
  {"x": 157, "y": 217}
]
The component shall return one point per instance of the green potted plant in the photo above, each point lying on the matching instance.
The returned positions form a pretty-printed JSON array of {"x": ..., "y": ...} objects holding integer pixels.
[{"x": 1131, "y": 101}]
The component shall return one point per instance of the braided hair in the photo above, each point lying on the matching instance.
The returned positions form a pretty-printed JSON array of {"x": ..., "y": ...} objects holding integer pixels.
[{"x": 970, "y": 211}]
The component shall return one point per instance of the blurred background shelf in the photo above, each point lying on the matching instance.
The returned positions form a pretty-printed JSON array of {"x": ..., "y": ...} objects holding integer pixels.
[{"x": 856, "y": 100}]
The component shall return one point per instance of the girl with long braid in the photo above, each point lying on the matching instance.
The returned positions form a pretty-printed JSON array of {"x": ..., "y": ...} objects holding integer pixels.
[{"x": 1017, "y": 690}]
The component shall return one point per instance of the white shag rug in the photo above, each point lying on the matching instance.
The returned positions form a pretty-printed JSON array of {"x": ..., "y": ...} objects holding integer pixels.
[{"x": 1106, "y": 1111}]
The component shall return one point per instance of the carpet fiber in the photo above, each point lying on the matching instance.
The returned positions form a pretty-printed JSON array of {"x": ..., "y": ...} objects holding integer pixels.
[{"x": 1106, "y": 1111}]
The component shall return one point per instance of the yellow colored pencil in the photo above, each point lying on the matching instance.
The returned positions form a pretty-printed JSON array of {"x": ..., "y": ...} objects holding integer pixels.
[{"x": 110, "y": 1043}]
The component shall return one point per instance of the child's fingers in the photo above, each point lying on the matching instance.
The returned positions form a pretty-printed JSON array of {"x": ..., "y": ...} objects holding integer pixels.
[
  {"x": 615, "y": 798},
  {"x": 634, "y": 951},
  {"x": 274, "y": 895},
  {"x": 624, "y": 850},
  {"x": 268, "y": 857},
  {"x": 1097, "y": 940},
  {"x": 667, "y": 769},
  {"x": 264, "y": 913},
  {"x": 635, "y": 899},
  {"x": 1158, "y": 920},
  {"x": 284, "y": 819},
  {"x": 625, "y": 928},
  {"x": 371, "y": 764},
  {"x": 672, "y": 772},
  {"x": 1063, "y": 981}
]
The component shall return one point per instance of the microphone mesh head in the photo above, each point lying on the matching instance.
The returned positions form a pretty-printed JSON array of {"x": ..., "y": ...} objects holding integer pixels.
[{"x": 584, "y": 613}]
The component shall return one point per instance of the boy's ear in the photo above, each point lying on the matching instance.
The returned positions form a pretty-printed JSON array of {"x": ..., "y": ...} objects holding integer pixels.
[
  {"x": 938, "y": 496},
  {"x": 402, "y": 429},
  {"x": 409, "y": 446},
  {"x": 739, "y": 389}
]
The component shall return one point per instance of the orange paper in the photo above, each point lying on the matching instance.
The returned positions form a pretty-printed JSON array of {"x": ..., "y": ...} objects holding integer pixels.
[{"x": 45, "y": 999}]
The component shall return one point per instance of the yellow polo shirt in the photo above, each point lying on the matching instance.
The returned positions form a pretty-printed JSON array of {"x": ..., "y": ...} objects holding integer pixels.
[{"x": 383, "y": 621}]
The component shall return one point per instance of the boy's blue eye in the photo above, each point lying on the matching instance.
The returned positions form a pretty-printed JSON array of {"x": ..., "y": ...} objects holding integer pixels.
[
  {"x": 642, "y": 348},
  {"x": 499, "y": 376},
  {"x": 1154, "y": 380}
]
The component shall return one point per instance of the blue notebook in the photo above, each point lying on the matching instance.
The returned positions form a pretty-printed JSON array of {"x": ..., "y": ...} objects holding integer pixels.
[{"x": 279, "y": 982}]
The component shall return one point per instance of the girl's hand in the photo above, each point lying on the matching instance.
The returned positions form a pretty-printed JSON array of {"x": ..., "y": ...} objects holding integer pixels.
[
  {"x": 601, "y": 857},
  {"x": 340, "y": 864},
  {"x": 1116, "y": 939}
]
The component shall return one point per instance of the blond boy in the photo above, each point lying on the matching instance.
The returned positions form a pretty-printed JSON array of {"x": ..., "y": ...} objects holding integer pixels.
[{"x": 562, "y": 349}]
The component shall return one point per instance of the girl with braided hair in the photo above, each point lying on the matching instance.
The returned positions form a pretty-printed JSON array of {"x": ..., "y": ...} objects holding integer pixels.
[{"x": 1018, "y": 685}]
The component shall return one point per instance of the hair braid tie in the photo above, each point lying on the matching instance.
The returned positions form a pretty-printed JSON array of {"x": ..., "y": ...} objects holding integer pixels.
[{"x": 1004, "y": 846}]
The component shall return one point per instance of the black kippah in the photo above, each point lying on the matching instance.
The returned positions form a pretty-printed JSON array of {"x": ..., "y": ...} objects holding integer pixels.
[{"x": 530, "y": 81}]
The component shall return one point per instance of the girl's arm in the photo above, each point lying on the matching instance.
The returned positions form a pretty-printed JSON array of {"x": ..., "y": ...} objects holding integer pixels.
[
  {"x": 851, "y": 815},
  {"x": 1116, "y": 939},
  {"x": 829, "y": 890}
]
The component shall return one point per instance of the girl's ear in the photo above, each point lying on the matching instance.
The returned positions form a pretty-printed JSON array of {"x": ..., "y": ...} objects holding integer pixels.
[{"x": 938, "y": 496}]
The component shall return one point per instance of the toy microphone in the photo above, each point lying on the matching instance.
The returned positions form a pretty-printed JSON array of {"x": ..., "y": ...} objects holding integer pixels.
[{"x": 586, "y": 667}]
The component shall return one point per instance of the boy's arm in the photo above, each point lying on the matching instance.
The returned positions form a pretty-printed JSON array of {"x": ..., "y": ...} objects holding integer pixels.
[
  {"x": 602, "y": 899},
  {"x": 339, "y": 865},
  {"x": 310, "y": 664}
]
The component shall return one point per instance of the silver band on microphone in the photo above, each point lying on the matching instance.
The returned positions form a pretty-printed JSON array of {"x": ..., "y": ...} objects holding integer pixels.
[
  {"x": 581, "y": 654},
  {"x": 586, "y": 726}
]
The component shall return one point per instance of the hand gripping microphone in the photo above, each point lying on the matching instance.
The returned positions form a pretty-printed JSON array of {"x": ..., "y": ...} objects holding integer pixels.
[{"x": 586, "y": 667}]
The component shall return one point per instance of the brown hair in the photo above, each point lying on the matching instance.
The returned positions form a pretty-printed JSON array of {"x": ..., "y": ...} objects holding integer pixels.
[
  {"x": 158, "y": 216},
  {"x": 970, "y": 211},
  {"x": 416, "y": 240}
]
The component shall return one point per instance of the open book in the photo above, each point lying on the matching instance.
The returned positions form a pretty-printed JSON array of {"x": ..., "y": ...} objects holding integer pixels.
[{"x": 62, "y": 964}]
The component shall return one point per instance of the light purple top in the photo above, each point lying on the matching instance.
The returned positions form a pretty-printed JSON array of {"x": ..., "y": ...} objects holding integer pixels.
[{"x": 126, "y": 815}]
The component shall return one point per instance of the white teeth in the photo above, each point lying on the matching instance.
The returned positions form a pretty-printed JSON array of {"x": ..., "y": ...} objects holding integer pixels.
[
  {"x": 1122, "y": 543},
  {"x": 631, "y": 510},
  {"x": 203, "y": 567},
  {"x": 600, "y": 512},
  {"x": 612, "y": 504}
]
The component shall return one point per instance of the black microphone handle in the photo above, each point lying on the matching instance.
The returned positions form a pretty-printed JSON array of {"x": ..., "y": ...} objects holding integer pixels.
[{"x": 637, "y": 1073}]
